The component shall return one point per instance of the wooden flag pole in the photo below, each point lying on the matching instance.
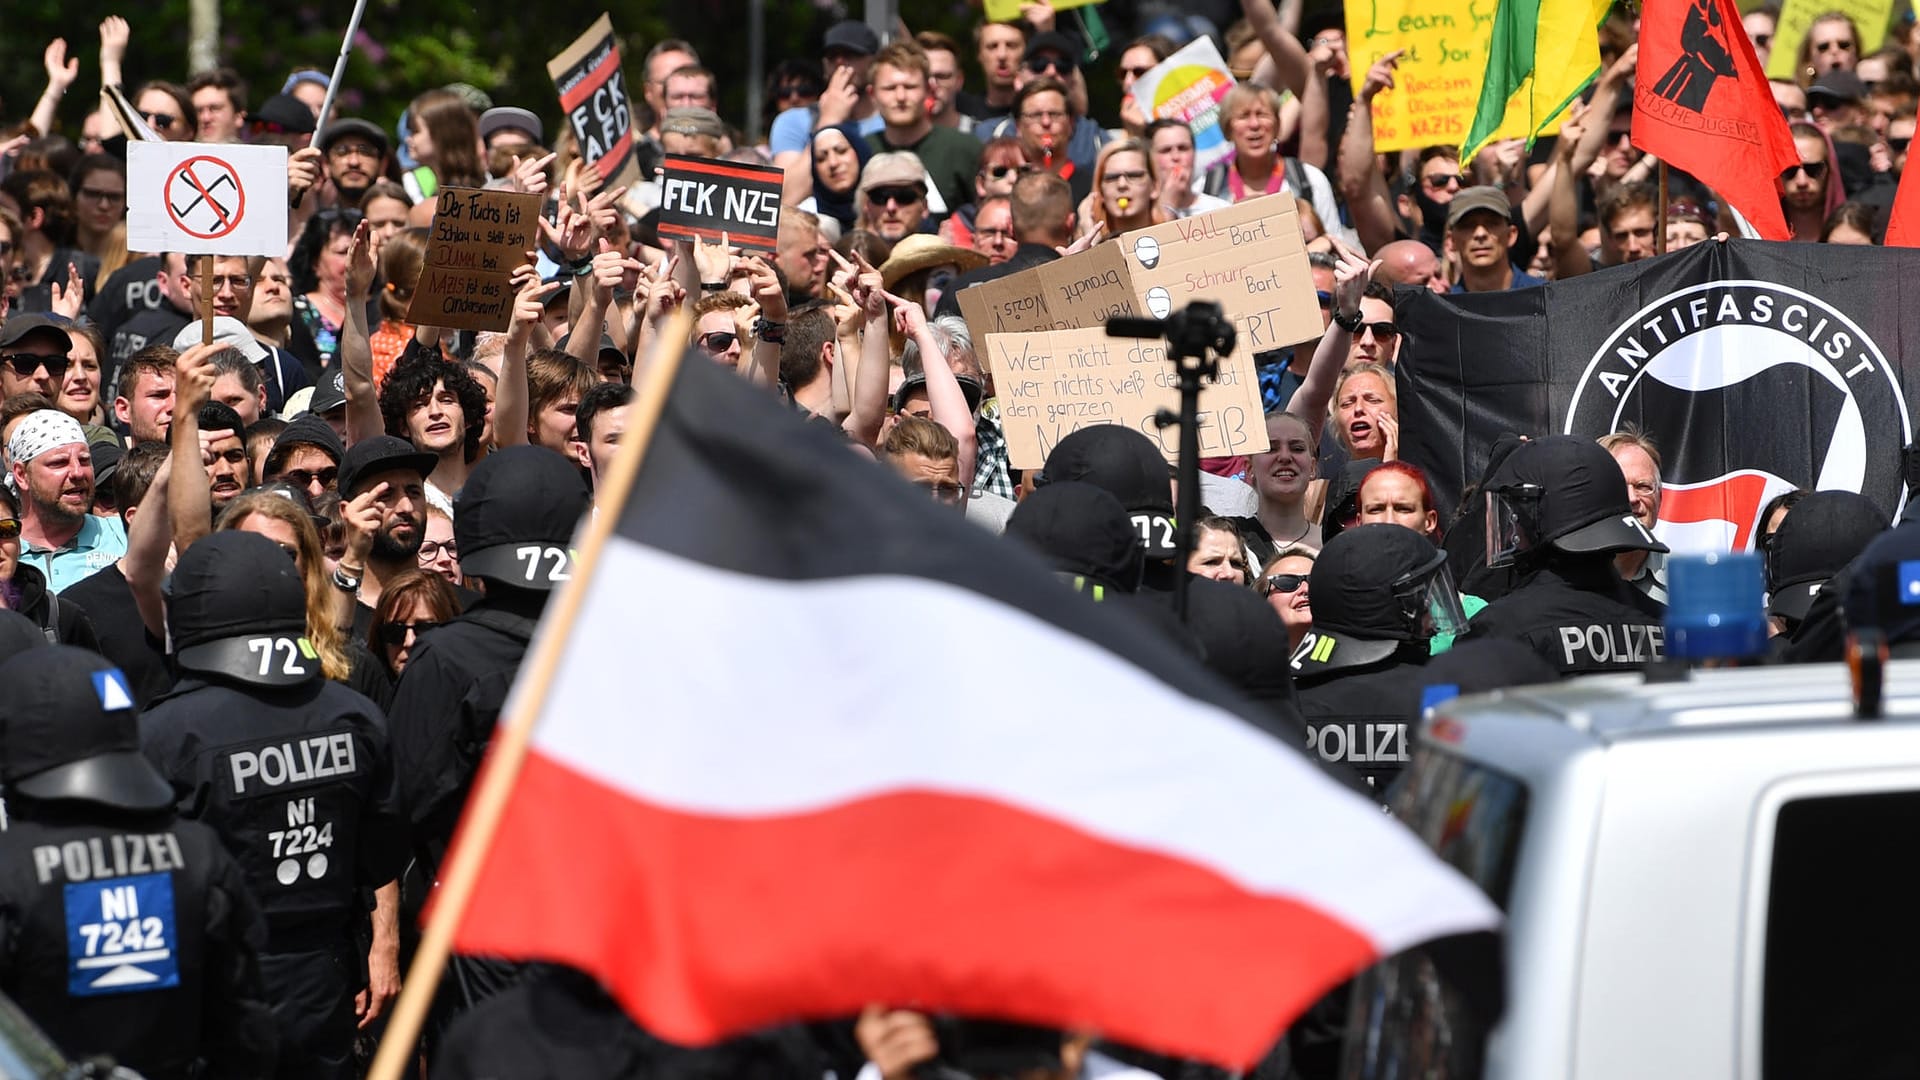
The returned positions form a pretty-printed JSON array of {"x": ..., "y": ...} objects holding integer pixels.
[
  {"x": 206, "y": 299},
  {"x": 1660, "y": 222},
  {"x": 488, "y": 803}
]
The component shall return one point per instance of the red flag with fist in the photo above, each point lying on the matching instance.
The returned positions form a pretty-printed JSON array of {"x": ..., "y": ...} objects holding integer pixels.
[{"x": 1701, "y": 104}]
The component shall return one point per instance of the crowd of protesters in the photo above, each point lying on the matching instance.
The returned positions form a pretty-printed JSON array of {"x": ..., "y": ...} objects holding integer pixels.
[{"x": 375, "y": 466}]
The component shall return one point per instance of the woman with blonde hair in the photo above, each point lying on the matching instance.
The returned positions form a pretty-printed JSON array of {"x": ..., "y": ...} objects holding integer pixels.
[
  {"x": 1125, "y": 187},
  {"x": 282, "y": 518}
]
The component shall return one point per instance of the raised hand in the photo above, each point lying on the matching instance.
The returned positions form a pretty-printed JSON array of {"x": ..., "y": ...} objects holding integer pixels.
[
  {"x": 1380, "y": 75},
  {"x": 360, "y": 265}
]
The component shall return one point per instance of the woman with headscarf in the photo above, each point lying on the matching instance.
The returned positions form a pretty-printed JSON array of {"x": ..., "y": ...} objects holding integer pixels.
[{"x": 840, "y": 154}]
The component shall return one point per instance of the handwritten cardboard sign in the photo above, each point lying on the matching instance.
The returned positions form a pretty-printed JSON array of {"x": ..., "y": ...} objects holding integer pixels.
[
  {"x": 1189, "y": 86},
  {"x": 1055, "y": 382},
  {"x": 477, "y": 239},
  {"x": 593, "y": 95},
  {"x": 1248, "y": 257},
  {"x": 702, "y": 198},
  {"x": 1796, "y": 18},
  {"x": 1437, "y": 85}
]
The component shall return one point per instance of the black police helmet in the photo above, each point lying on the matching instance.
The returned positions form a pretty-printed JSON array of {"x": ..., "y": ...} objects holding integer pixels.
[
  {"x": 1127, "y": 464},
  {"x": 19, "y": 634},
  {"x": 237, "y": 609},
  {"x": 1822, "y": 533},
  {"x": 1243, "y": 641},
  {"x": 1082, "y": 531},
  {"x": 1361, "y": 582},
  {"x": 69, "y": 731},
  {"x": 1343, "y": 497},
  {"x": 516, "y": 516},
  {"x": 1575, "y": 497}
]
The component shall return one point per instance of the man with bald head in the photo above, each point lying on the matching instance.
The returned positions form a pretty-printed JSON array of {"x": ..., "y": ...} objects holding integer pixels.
[{"x": 1410, "y": 262}]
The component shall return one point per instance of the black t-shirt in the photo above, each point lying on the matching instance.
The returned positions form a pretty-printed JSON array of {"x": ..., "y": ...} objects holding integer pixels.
[
  {"x": 130, "y": 290},
  {"x": 108, "y": 600}
]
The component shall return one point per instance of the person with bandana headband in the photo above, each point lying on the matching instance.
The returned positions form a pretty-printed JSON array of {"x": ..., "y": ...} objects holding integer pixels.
[{"x": 52, "y": 471}]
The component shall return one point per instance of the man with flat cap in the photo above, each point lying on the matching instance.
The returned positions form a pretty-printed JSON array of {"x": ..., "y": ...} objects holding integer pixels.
[
  {"x": 1558, "y": 513},
  {"x": 124, "y": 931},
  {"x": 293, "y": 772}
]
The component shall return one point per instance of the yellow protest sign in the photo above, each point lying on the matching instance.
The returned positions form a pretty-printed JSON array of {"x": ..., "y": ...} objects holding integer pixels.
[
  {"x": 1797, "y": 16},
  {"x": 1437, "y": 85},
  {"x": 1009, "y": 10}
]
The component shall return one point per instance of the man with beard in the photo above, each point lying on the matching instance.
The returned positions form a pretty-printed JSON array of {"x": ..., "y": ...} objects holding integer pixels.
[
  {"x": 53, "y": 471},
  {"x": 355, "y": 152},
  {"x": 383, "y": 484}
]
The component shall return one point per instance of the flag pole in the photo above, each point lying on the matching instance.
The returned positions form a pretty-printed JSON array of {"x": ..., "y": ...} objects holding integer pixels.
[
  {"x": 339, "y": 70},
  {"x": 206, "y": 299},
  {"x": 487, "y": 805},
  {"x": 1660, "y": 225}
]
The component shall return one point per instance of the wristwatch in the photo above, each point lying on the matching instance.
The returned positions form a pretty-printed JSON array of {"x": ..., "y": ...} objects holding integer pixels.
[
  {"x": 773, "y": 333},
  {"x": 1350, "y": 323},
  {"x": 344, "y": 582}
]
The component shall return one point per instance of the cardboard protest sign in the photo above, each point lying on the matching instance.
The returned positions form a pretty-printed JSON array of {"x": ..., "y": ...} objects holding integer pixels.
[
  {"x": 1248, "y": 257},
  {"x": 702, "y": 197},
  {"x": 207, "y": 198},
  {"x": 1055, "y": 382},
  {"x": 1796, "y": 17},
  {"x": 593, "y": 95},
  {"x": 477, "y": 239},
  {"x": 1437, "y": 85},
  {"x": 1188, "y": 86}
]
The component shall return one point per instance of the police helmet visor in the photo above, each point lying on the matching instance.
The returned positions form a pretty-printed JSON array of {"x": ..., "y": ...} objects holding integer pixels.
[
  {"x": 118, "y": 778},
  {"x": 257, "y": 659},
  {"x": 1428, "y": 601},
  {"x": 1513, "y": 520},
  {"x": 535, "y": 566},
  {"x": 1432, "y": 604}
]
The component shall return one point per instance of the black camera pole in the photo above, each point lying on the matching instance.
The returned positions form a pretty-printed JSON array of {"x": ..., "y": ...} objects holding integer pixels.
[{"x": 1197, "y": 336}]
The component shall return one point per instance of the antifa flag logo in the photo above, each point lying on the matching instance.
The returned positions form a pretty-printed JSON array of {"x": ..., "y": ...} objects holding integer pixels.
[
  {"x": 1749, "y": 390},
  {"x": 1704, "y": 58}
]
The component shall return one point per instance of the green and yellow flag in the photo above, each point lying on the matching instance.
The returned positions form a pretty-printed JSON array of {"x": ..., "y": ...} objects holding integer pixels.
[{"x": 1543, "y": 53}]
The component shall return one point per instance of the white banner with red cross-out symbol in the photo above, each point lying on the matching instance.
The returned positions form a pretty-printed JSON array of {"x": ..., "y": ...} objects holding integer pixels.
[{"x": 207, "y": 198}]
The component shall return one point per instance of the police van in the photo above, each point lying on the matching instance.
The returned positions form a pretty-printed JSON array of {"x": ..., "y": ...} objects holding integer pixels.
[{"x": 1715, "y": 876}]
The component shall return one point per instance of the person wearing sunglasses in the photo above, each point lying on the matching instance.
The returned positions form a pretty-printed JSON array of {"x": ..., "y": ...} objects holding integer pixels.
[
  {"x": 1001, "y": 163},
  {"x": 307, "y": 456},
  {"x": 1832, "y": 43},
  {"x": 892, "y": 198},
  {"x": 34, "y": 355},
  {"x": 413, "y": 603},
  {"x": 716, "y": 331},
  {"x": 1141, "y": 55},
  {"x": 1809, "y": 191},
  {"x": 1760, "y": 25},
  {"x": 166, "y": 109},
  {"x": 1481, "y": 230},
  {"x": 1284, "y": 584}
]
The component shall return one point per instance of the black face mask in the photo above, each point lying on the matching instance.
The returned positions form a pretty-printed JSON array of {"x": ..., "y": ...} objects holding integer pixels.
[{"x": 1433, "y": 217}]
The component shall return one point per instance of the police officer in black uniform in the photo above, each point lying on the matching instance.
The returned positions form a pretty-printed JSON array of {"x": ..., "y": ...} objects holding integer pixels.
[
  {"x": 124, "y": 931},
  {"x": 513, "y": 523},
  {"x": 1557, "y": 511},
  {"x": 291, "y": 770},
  {"x": 1820, "y": 535},
  {"x": 1380, "y": 592}
]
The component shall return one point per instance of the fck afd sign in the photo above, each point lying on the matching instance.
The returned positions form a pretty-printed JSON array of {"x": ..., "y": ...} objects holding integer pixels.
[
  {"x": 701, "y": 197},
  {"x": 593, "y": 95}
]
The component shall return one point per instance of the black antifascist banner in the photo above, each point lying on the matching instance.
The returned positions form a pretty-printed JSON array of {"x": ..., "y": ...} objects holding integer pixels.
[
  {"x": 1755, "y": 367},
  {"x": 701, "y": 198}
]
